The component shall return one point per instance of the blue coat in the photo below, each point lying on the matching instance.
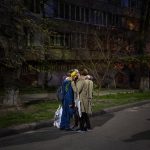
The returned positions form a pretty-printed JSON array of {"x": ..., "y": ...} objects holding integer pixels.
[{"x": 68, "y": 100}]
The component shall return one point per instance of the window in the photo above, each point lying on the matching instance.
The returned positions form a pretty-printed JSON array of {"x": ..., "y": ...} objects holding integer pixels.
[
  {"x": 33, "y": 39},
  {"x": 86, "y": 15},
  {"x": 82, "y": 14},
  {"x": 73, "y": 40},
  {"x": 100, "y": 18},
  {"x": 49, "y": 9},
  {"x": 38, "y": 6},
  {"x": 96, "y": 17},
  {"x": 92, "y": 17},
  {"x": 133, "y": 4},
  {"x": 78, "y": 40},
  {"x": 109, "y": 21},
  {"x": 56, "y": 8},
  {"x": 119, "y": 21},
  {"x": 77, "y": 13},
  {"x": 29, "y": 38},
  {"x": 73, "y": 12},
  {"x": 114, "y": 20},
  {"x": 83, "y": 41},
  {"x": 61, "y": 10},
  {"x": 115, "y": 2},
  {"x": 125, "y": 3},
  {"x": 52, "y": 40},
  {"x": 37, "y": 39},
  {"x": 67, "y": 11},
  {"x": 104, "y": 21},
  {"x": 60, "y": 39},
  {"x": 123, "y": 22},
  {"x": 33, "y": 5},
  {"x": 66, "y": 40}
]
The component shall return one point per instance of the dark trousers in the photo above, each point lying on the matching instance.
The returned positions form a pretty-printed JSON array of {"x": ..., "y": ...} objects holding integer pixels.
[
  {"x": 76, "y": 117},
  {"x": 84, "y": 121}
]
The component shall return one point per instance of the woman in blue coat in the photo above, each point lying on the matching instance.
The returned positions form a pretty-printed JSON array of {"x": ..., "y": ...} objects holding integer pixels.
[{"x": 67, "y": 104}]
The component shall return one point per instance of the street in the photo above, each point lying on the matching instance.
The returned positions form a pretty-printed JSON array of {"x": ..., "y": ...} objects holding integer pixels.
[{"x": 128, "y": 129}]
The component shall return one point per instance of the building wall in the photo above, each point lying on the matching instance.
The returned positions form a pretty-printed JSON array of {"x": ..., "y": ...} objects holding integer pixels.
[{"x": 77, "y": 21}]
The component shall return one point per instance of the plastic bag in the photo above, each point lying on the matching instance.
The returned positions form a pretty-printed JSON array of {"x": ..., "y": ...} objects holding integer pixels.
[
  {"x": 78, "y": 105},
  {"x": 57, "y": 117}
]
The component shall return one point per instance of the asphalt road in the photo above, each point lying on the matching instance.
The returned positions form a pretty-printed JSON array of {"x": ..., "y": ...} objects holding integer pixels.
[{"x": 128, "y": 129}]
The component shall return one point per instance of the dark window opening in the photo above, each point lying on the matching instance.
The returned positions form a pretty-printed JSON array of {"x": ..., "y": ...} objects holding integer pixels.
[
  {"x": 56, "y": 8},
  {"x": 92, "y": 17},
  {"x": 125, "y": 3},
  {"x": 66, "y": 11},
  {"x": 61, "y": 10},
  {"x": 109, "y": 20},
  {"x": 67, "y": 40},
  {"x": 104, "y": 19},
  {"x": 133, "y": 3},
  {"x": 100, "y": 17},
  {"x": 97, "y": 17},
  {"x": 72, "y": 12},
  {"x": 77, "y": 13},
  {"x": 86, "y": 15},
  {"x": 60, "y": 40},
  {"x": 82, "y": 14},
  {"x": 49, "y": 9}
]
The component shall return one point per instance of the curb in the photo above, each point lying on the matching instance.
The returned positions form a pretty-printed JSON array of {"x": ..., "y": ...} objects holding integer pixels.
[
  {"x": 37, "y": 125},
  {"x": 24, "y": 128},
  {"x": 121, "y": 107}
]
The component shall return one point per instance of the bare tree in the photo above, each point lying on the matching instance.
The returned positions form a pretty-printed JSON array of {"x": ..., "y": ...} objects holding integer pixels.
[{"x": 107, "y": 50}]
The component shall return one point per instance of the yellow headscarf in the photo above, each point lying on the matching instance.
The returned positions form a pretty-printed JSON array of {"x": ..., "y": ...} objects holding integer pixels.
[{"x": 74, "y": 74}]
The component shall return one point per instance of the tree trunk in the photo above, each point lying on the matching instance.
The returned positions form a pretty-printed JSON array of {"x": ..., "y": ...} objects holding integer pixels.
[
  {"x": 144, "y": 84},
  {"x": 11, "y": 97},
  {"x": 144, "y": 78},
  {"x": 143, "y": 40},
  {"x": 11, "y": 87}
]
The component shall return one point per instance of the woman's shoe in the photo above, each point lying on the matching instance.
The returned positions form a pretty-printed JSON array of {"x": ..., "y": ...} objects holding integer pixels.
[{"x": 62, "y": 128}]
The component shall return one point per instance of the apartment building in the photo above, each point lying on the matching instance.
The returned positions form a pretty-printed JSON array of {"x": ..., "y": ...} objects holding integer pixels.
[{"x": 85, "y": 32}]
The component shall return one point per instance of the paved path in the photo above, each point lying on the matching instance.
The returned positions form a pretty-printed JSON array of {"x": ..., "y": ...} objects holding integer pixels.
[
  {"x": 128, "y": 129},
  {"x": 51, "y": 96}
]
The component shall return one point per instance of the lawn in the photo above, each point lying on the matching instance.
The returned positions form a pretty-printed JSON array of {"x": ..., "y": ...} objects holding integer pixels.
[
  {"x": 101, "y": 102},
  {"x": 45, "y": 110},
  {"x": 28, "y": 113}
]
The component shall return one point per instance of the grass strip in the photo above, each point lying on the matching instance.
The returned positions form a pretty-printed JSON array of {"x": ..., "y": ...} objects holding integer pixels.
[{"x": 45, "y": 110}]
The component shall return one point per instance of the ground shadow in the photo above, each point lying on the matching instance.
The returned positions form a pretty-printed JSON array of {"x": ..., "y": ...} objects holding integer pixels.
[
  {"x": 145, "y": 135},
  {"x": 50, "y": 133},
  {"x": 100, "y": 120}
]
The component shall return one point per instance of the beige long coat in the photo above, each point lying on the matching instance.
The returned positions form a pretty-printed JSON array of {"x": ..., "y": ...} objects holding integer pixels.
[
  {"x": 81, "y": 89},
  {"x": 90, "y": 94}
]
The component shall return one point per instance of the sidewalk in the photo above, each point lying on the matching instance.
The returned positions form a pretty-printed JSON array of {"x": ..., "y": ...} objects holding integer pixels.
[
  {"x": 36, "y": 125},
  {"x": 51, "y": 96},
  {"x": 115, "y": 91},
  {"x": 39, "y": 96}
]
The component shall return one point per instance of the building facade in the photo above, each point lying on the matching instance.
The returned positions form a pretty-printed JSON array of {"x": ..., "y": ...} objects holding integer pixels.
[{"x": 91, "y": 33}]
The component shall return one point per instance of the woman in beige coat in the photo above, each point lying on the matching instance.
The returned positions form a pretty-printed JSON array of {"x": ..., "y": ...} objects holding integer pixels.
[
  {"x": 80, "y": 88},
  {"x": 90, "y": 92}
]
